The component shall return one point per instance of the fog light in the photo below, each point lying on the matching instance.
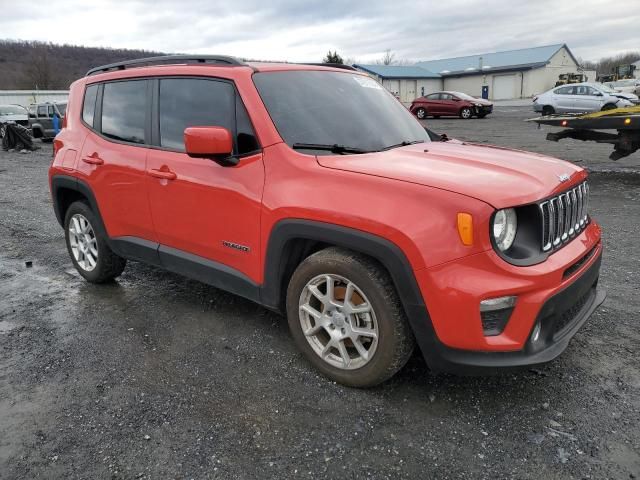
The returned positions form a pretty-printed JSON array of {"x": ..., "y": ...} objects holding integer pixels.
[
  {"x": 535, "y": 335},
  {"x": 498, "y": 303},
  {"x": 495, "y": 313}
]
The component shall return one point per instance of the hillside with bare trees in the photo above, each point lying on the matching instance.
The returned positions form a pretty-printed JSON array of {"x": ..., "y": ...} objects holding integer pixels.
[{"x": 29, "y": 65}]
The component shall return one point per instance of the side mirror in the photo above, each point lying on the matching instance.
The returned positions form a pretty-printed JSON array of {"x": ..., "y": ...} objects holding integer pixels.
[
  {"x": 210, "y": 142},
  {"x": 599, "y": 94}
]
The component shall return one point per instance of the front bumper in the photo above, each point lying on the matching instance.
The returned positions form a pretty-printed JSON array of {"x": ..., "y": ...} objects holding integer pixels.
[
  {"x": 483, "y": 109},
  {"x": 559, "y": 295},
  {"x": 560, "y": 318}
]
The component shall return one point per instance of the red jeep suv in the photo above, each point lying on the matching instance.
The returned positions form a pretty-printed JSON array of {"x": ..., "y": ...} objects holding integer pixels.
[{"x": 312, "y": 191}]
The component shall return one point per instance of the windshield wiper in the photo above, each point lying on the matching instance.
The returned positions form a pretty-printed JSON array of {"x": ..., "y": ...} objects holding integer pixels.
[
  {"x": 403, "y": 144},
  {"x": 341, "y": 149}
]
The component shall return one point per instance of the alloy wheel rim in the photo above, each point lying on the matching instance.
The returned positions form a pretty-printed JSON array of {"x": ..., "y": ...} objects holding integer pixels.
[
  {"x": 83, "y": 242},
  {"x": 421, "y": 114},
  {"x": 466, "y": 113},
  {"x": 338, "y": 321}
]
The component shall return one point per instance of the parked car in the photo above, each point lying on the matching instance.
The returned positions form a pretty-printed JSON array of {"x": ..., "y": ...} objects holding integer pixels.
[
  {"x": 626, "y": 86},
  {"x": 452, "y": 104},
  {"x": 581, "y": 97},
  {"x": 41, "y": 119},
  {"x": 312, "y": 191},
  {"x": 12, "y": 114}
]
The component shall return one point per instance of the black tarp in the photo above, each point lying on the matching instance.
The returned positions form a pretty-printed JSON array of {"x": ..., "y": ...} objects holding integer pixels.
[{"x": 16, "y": 137}]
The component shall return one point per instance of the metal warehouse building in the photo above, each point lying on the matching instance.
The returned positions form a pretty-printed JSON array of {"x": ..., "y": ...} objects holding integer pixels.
[{"x": 502, "y": 75}]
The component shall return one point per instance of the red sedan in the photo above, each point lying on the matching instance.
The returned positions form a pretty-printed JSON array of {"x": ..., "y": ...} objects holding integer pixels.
[{"x": 451, "y": 104}]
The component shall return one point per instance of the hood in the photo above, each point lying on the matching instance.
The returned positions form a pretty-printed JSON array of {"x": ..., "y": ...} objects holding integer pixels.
[
  {"x": 481, "y": 101},
  {"x": 498, "y": 176},
  {"x": 626, "y": 96}
]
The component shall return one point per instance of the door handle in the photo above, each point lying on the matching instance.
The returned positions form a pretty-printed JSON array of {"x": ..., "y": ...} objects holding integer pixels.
[
  {"x": 164, "y": 174},
  {"x": 93, "y": 159}
]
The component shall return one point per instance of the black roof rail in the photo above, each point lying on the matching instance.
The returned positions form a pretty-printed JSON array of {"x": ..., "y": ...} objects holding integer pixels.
[
  {"x": 215, "y": 59},
  {"x": 332, "y": 65}
]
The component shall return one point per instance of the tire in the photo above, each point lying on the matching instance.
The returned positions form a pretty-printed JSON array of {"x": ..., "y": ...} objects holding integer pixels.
[
  {"x": 421, "y": 113},
  {"x": 548, "y": 110},
  {"x": 85, "y": 243},
  {"x": 608, "y": 106},
  {"x": 371, "y": 288},
  {"x": 46, "y": 140},
  {"x": 466, "y": 113}
]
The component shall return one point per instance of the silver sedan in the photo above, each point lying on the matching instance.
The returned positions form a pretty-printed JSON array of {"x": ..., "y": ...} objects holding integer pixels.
[{"x": 581, "y": 97}]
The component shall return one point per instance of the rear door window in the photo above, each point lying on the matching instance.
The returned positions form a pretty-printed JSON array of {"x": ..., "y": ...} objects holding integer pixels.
[
  {"x": 42, "y": 111},
  {"x": 124, "y": 110},
  {"x": 190, "y": 102}
]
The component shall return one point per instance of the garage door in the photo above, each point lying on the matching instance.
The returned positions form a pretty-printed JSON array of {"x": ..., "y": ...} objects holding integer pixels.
[
  {"x": 504, "y": 87},
  {"x": 393, "y": 86},
  {"x": 407, "y": 91}
]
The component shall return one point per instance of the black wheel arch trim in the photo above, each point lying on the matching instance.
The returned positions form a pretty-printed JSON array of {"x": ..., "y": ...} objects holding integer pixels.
[
  {"x": 381, "y": 249},
  {"x": 62, "y": 182}
]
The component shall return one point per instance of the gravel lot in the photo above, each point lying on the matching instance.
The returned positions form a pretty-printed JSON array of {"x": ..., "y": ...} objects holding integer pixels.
[{"x": 156, "y": 376}]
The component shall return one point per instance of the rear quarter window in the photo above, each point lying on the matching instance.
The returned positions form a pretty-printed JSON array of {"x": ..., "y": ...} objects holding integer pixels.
[{"x": 89, "y": 104}]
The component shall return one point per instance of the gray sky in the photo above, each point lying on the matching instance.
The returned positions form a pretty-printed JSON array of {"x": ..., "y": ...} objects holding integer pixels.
[{"x": 304, "y": 31}]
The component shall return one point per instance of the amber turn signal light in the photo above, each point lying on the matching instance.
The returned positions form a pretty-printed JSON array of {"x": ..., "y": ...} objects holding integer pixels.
[{"x": 465, "y": 228}]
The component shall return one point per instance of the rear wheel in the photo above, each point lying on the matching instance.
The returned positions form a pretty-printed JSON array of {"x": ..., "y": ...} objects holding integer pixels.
[
  {"x": 345, "y": 316},
  {"x": 421, "y": 113},
  {"x": 87, "y": 245},
  {"x": 466, "y": 113},
  {"x": 548, "y": 110}
]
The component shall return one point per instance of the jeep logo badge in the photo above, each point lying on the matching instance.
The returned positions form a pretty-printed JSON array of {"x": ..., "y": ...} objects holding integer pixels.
[{"x": 563, "y": 177}]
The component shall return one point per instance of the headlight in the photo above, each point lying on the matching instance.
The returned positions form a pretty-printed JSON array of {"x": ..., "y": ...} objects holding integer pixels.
[{"x": 504, "y": 228}]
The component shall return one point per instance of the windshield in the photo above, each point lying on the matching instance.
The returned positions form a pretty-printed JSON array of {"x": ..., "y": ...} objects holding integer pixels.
[
  {"x": 463, "y": 96},
  {"x": 62, "y": 108},
  {"x": 606, "y": 88},
  {"x": 12, "y": 110},
  {"x": 336, "y": 109}
]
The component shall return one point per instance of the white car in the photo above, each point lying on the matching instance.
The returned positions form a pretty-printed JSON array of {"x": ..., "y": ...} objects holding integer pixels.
[
  {"x": 631, "y": 85},
  {"x": 581, "y": 97},
  {"x": 12, "y": 114}
]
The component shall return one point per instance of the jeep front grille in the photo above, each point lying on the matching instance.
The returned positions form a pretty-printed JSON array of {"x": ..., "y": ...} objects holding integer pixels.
[{"x": 564, "y": 217}]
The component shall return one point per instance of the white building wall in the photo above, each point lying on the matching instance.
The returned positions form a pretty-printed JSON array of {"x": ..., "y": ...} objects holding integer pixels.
[
  {"x": 27, "y": 97},
  {"x": 428, "y": 85},
  {"x": 469, "y": 84},
  {"x": 542, "y": 79},
  {"x": 408, "y": 89}
]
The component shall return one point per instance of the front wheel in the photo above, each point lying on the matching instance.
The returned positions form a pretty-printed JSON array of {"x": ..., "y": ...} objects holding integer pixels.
[
  {"x": 87, "y": 245},
  {"x": 345, "y": 316},
  {"x": 609, "y": 106},
  {"x": 421, "y": 113},
  {"x": 466, "y": 113}
]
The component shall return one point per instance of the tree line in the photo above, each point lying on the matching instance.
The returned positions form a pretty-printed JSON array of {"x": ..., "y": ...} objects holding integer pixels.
[{"x": 30, "y": 65}]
